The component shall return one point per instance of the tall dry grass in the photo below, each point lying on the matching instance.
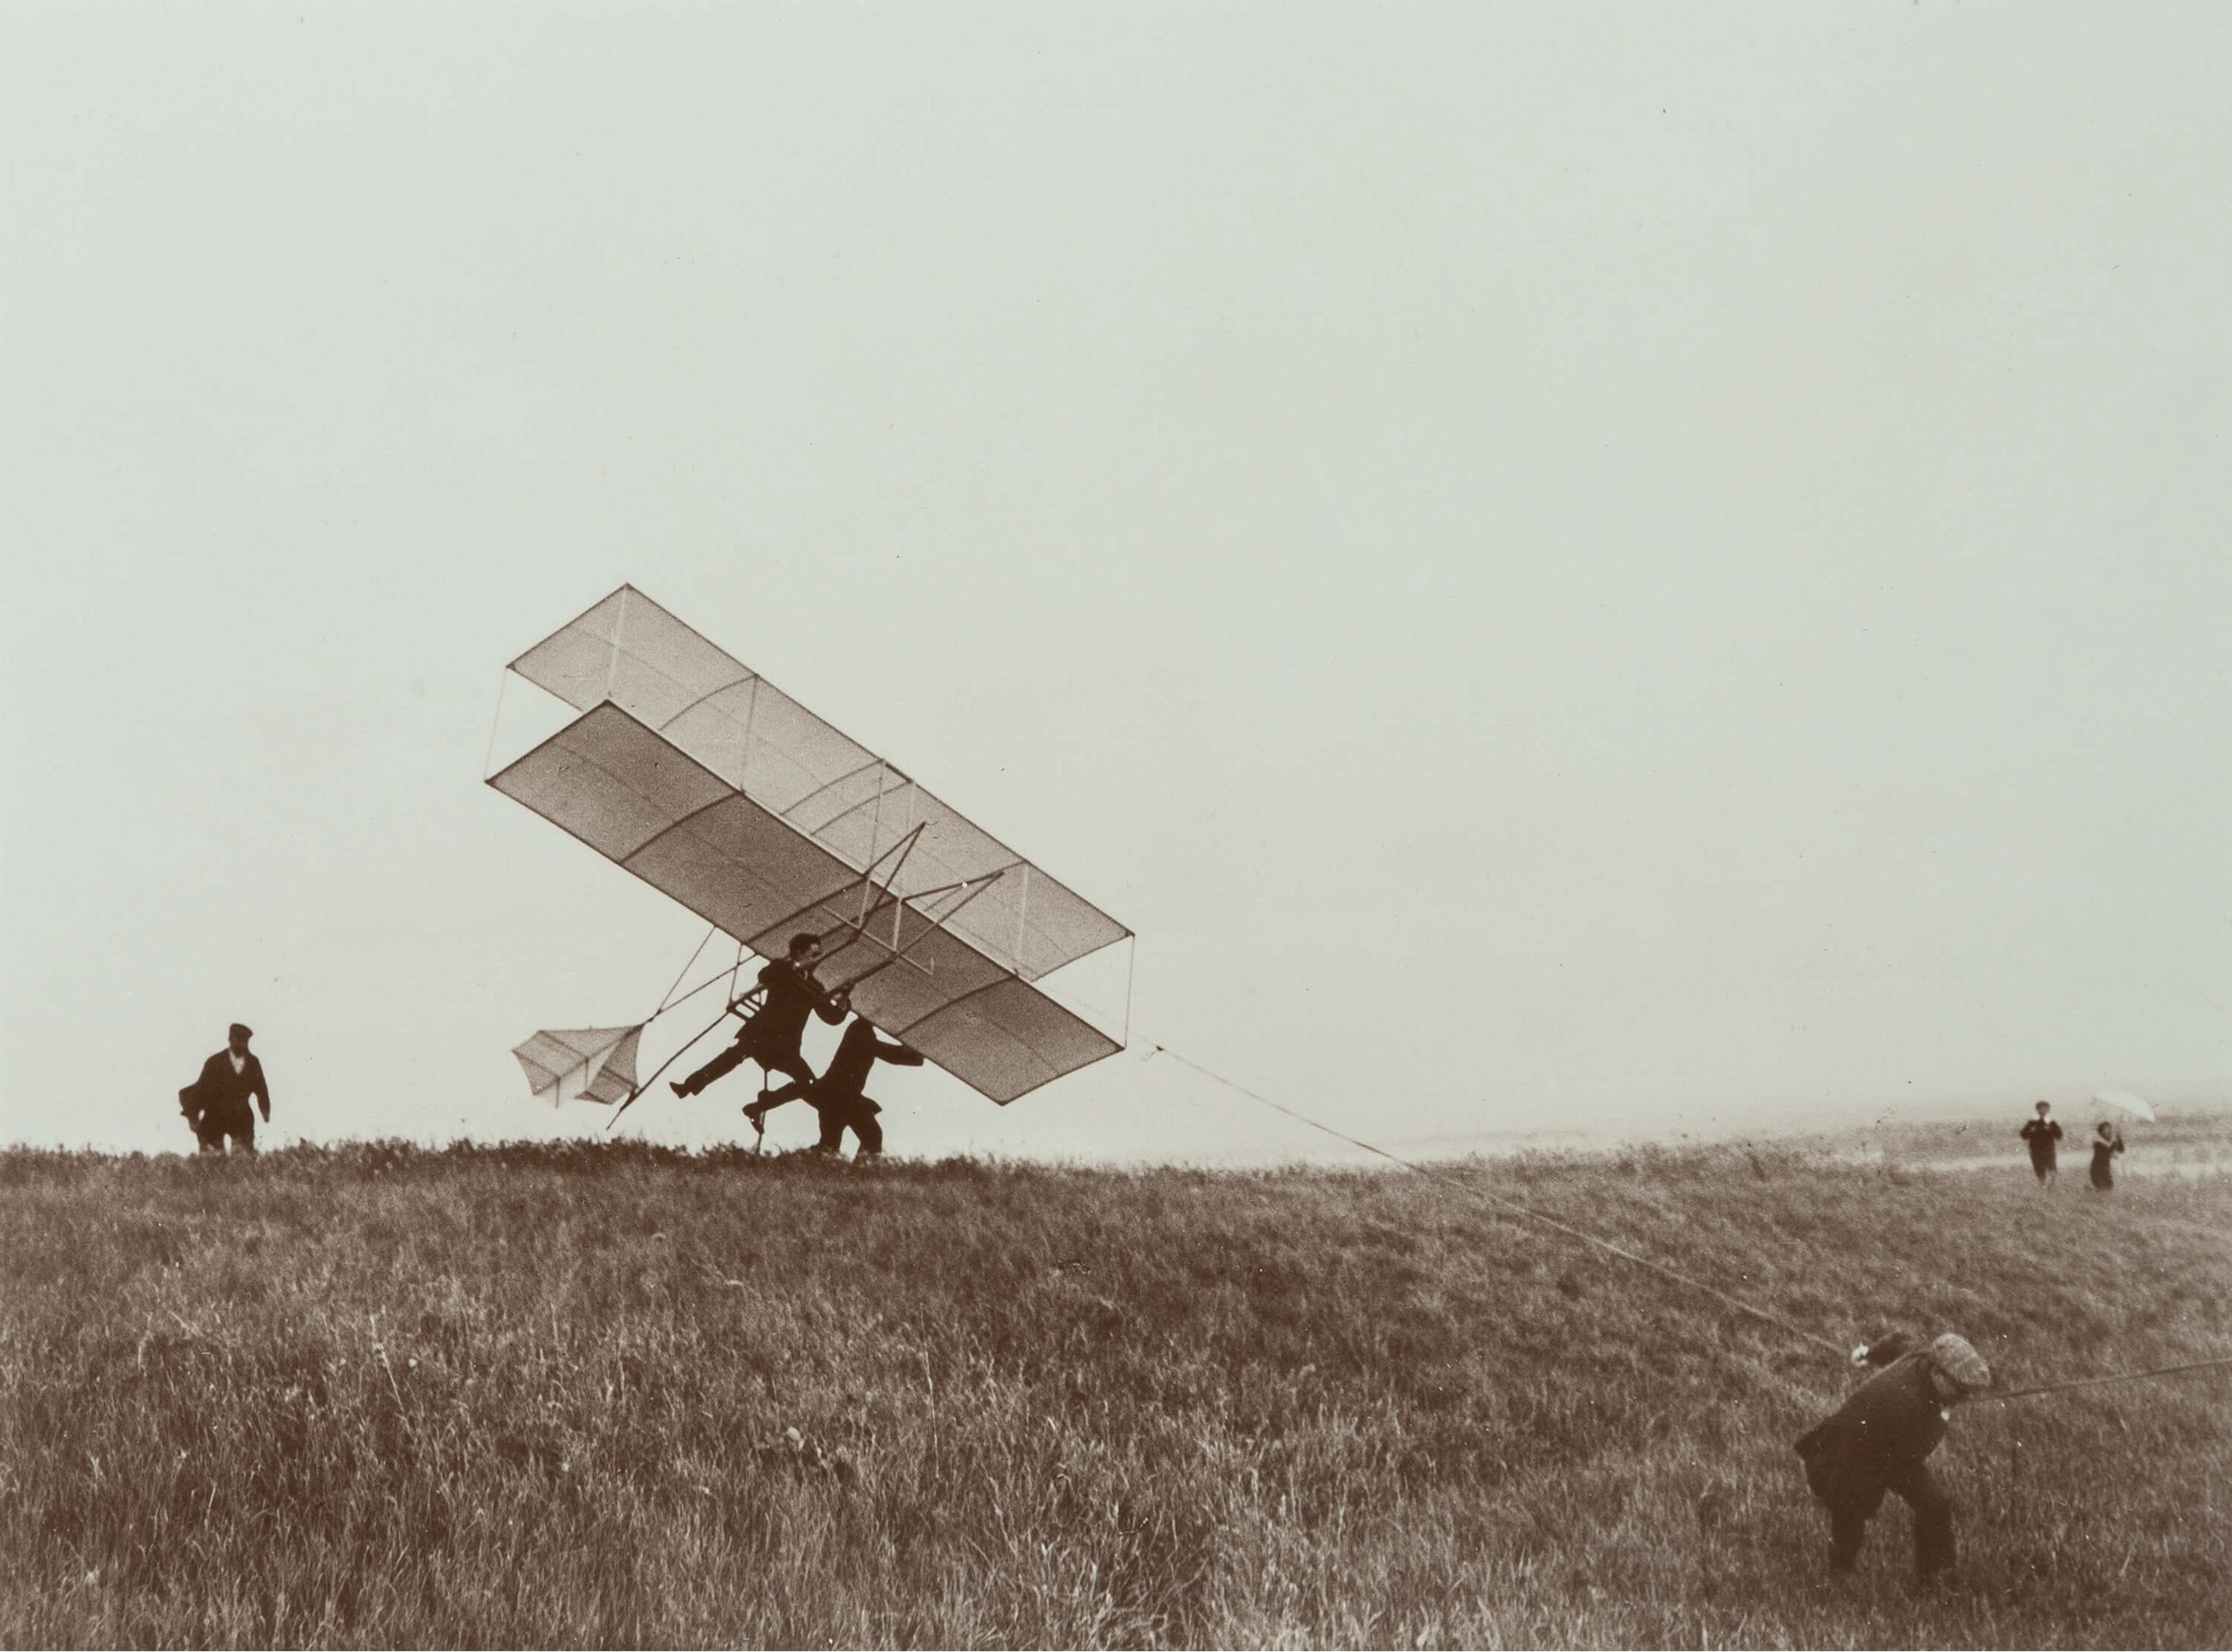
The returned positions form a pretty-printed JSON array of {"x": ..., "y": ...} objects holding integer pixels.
[{"x": 612, "y": 1395}]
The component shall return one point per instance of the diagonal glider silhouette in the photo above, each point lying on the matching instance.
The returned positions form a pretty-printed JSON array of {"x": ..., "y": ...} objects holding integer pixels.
[{"x": 700, "y": 777}]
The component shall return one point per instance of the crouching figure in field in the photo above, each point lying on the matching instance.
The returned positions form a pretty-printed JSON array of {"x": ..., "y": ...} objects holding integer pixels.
[{"x": 1881, "y": 1439}]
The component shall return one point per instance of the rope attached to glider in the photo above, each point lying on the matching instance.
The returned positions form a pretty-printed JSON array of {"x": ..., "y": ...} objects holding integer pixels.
[
  {"x": 2113, "y": 1377},
  {"x": 1714, "y": 1291},
  {"x": 1717, "y": 1294}
]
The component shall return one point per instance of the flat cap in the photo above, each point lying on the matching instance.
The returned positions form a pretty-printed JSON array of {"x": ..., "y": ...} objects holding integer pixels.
[
  {"x": 1953, "y": 1356},
  {"x": 237, "y": 1031}
]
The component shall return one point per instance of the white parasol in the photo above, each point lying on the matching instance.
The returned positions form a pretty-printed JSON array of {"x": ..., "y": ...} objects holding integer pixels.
[{"x": 2124, "y": 1102}]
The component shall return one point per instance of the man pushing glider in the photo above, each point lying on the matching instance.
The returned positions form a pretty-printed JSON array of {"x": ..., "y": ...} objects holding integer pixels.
[
  {"x": 770, "y": 1036},
  {"x": 840, "y": 1095}
]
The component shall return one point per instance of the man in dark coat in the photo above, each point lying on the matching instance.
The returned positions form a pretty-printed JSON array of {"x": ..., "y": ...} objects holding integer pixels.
[
  {"x": 840, "y": 1095},
  {"x": 771, "y": 1036},
  {"x": 216, "y": 1104},
  {"x": 1881, "y": 1439},
  {"x": 2040, "y": 1135}
]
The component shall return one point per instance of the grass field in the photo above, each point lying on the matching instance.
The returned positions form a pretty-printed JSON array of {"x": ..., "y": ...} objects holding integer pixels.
[{"x": 607, "y": 1394}]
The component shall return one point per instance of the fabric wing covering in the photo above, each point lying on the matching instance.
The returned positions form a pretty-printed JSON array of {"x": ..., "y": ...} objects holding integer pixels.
[
  {"x": 582, "y": 1064},
  {"x": 714, "y": 786}
]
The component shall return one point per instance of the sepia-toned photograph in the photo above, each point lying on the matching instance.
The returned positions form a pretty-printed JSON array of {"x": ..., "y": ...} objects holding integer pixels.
[{"x": 1344, "y": 823}]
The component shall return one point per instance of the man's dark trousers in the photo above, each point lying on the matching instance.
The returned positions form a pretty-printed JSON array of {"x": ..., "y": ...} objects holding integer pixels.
[
  {"x": 858, "y": 1113},
  {"x": 236, "y": 1120},
  {"x": 788, "y": 1062},
  {"x": 1854, "y": 1494}
]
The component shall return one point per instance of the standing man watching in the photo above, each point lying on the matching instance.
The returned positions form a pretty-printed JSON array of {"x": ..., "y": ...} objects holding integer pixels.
[
  {"x": 216, "y": 1104},
  {"x": 2040, "y": 1134}
]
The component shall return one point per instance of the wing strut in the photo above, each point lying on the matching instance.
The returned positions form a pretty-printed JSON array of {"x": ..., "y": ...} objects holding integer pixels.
[
  {"x": 866, "y": 879},
  {"x": 901, "y": 952},
  {"x": 870, "y": 910}
]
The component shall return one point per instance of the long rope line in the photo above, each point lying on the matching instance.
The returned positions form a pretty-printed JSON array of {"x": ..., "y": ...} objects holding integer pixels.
[
  {"x": 2114, "y": 1377},
  {"x": 1717, "y": 1294},
  {"x": 1664, "y": 1272}
]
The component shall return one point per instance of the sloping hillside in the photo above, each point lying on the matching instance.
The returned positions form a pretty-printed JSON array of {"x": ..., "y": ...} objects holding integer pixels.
[{"x": 606, "y": 1395}]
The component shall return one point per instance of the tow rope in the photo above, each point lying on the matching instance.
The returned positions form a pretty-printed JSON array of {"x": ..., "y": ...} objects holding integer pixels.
[{"x": 1664, "y": 1272}]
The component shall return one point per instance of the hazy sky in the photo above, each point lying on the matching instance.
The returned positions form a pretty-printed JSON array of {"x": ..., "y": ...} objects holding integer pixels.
[{"x": 1648, "y": 567}]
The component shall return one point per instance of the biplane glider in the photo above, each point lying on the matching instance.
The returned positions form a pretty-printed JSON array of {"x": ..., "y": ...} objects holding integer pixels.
[{"x": 697, "y": 774}]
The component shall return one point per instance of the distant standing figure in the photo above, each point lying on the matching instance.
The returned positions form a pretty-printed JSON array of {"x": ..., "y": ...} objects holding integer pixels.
[
  {"x": 216, "y": 1104},
  {"x": 2106, "y": 1143},
  {"x": 1881, "y": 1439},
  {"x": 2042, "y": 1134}
]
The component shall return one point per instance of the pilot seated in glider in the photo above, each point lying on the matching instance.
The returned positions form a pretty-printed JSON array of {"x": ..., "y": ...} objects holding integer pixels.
[
  {"x": 840, "y": 1095},
  {"x": 770, "y": 1036},
  {"x": 1880, "y": 1441}
]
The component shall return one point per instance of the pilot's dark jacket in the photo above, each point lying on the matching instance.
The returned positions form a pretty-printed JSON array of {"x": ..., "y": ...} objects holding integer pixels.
[
  {"x": 792, "y": 995},
  {"x": 771, "y": 1036}
]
